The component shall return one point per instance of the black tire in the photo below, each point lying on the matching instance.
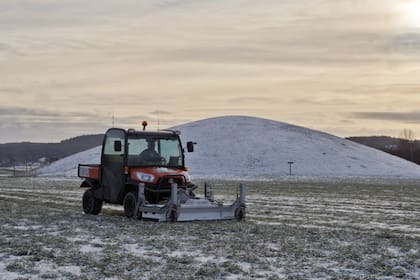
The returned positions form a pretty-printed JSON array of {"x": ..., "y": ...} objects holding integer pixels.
[
  {"x": 240, "y": 213},
  {"x": 130, "y": 203},
  {"x": 91, "y": 205},
  {"x": 173, "y": 217},
  {"x": 139, "y": 215}
]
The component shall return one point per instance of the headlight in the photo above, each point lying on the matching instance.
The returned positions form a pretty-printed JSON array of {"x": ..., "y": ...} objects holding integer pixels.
[{"x": 145, "y": 177}]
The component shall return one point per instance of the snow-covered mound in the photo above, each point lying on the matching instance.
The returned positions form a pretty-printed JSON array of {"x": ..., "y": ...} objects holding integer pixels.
[
  {"x": 237, "y": 146},
  {"x": 67, "y": 167}
]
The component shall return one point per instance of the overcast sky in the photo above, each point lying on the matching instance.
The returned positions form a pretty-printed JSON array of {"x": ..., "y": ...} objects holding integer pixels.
[{"x": 346, "y": 67}]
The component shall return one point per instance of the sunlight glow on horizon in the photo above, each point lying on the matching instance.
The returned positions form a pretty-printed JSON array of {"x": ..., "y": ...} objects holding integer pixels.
[{"x": 411, "y": 13}]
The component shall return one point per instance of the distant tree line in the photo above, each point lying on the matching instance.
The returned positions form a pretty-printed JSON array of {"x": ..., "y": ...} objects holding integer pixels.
[
  {"x": 25, "y": 153},
  {"x": 404, "y": 147}
]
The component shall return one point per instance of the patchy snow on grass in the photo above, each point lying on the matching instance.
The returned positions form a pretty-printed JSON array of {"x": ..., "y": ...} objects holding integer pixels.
[
  {"x": 74, "y": 270},
  {"x": 90, "y": 249},
  {"x": 5, "y": 270},
  {"x": 48, "y": 269},
  {"x": 296, "y": 230}
]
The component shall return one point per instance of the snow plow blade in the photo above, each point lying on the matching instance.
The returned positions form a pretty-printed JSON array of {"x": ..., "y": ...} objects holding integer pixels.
[{"x": 181, "y": 207}]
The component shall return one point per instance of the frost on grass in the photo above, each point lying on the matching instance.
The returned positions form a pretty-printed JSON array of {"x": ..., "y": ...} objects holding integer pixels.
[{"x": 293, "y": 231}]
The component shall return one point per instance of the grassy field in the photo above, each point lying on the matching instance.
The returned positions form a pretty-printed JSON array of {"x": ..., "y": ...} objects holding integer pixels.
[{"x": 293, "y": 230}]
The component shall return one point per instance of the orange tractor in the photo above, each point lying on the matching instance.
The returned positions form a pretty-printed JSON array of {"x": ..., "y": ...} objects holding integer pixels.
[{"x": 145, "y": 172}]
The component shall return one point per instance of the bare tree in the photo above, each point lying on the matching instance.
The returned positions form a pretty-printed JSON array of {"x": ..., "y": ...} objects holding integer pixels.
[
  {"x": 407, "y": 143},
  {"x": 407, "y": 134}
]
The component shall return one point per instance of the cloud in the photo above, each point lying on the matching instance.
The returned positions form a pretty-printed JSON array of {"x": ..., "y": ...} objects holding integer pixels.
[
  {"x": 282, "y": 59},
  {"x": 252, "y": 100},
  {"x": 324, "y": 100},
  {"x": 53, "y": 124},
  {"x": 10, "y": 91},
  {"x": 311, "y": 46},
  {"x": 19, "y": 112},
  {"x": 390, "y": 86},
  {"x": 407, "y": 117},
  {"x": 35, "y": 124},
  {"x": 407, "y": 43},
  {"x": 41, "y": 124},
  {"x": 160, "y": 112}
]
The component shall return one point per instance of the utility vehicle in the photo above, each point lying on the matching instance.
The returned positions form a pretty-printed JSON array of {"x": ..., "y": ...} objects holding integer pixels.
[{"x": 145, "y": 172}]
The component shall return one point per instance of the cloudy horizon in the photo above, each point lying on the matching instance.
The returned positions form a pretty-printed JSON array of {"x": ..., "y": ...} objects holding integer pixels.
[{"x": 67, "y": 68}]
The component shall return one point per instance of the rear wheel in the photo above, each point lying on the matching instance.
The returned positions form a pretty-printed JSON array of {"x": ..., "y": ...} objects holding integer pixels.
[
  {"x": 130, "y": 202},
  {"x": 91, "y": 205}
]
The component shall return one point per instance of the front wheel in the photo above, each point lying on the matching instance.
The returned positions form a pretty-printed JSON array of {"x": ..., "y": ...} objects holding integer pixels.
[
  {"x": 91, "y": 205},
  {"x": 130, "y": 203}
]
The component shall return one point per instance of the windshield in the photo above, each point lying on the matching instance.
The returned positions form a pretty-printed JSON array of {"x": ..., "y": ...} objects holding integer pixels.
[{"x": 152, "y": 151}]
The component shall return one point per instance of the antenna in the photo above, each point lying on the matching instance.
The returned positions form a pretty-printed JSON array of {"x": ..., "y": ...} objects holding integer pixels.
[
  {"x": 113, "y": 119},
  {"x": 158, "y": 121}
]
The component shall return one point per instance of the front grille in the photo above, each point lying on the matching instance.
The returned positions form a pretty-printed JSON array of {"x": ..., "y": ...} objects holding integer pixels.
[
  {"x": 163, "y": 182},
  {"x": 162, "y": 191}
]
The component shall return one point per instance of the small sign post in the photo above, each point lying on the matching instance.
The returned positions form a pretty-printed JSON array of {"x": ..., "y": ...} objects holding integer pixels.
[{"x": 290, "y": 167}]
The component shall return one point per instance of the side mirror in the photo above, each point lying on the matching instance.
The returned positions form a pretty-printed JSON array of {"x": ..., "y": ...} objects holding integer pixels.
[
  {"x": 190, "y": 146},
  {"x": 117, "y": 146}
]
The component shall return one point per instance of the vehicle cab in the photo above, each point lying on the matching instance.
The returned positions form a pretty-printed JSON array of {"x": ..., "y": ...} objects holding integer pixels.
[{"x": 130, "y": 157}]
